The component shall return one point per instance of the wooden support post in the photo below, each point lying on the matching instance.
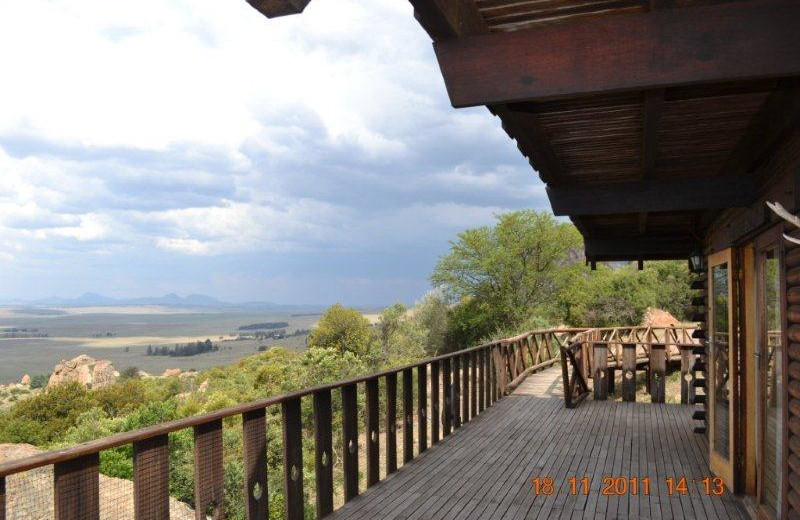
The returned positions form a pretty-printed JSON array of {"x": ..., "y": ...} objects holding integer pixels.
[
  {"x": 350, "y": 440},
  {"x": 254, "y": 446},
  {"x": 209, "y": 482},
  {"x": 293, "y": 498},
  {"x": 422, "y": 407},
  {"x": 465, "y": 388},
  {"x": 610, "y": 380},
  {"x": 150, "y": 478},
  {"x": 687, "y": 389},
  {"x": 456, "y": 407},
  {"x": 323, "y": 452},
  {"x": 76, "y": 488},
  {"x": 629, "y": 372},
  {"x": 373, "y": 432},
  {"x": 658, "y": 363},
  {"x": 599, "y": 376},
  {"x": 447, "y": 412},
  {"x": 391, "y": 423},
  {"x": 436, "y": 409},
  {"x": 473, "y": 384},
  {"x": 2, "y": 498}
]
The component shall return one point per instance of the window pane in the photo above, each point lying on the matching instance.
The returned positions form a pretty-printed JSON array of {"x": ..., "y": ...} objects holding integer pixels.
[{"x": 720, "y": 349}]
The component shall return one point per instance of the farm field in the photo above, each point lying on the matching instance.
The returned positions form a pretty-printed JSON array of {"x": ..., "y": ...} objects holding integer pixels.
[{"x": 123, "y": 334}]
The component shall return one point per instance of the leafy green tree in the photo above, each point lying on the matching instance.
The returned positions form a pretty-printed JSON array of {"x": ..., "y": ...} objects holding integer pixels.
[{"x": 343, "y": 330}]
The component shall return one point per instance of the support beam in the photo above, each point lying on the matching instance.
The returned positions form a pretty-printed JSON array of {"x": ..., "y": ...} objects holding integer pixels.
[
  {"x": 445, "y": 19},
  {"x": 652, "y": 196},
  {"x": 639, "y": 248},
  {"x": 708, "y": 43}
]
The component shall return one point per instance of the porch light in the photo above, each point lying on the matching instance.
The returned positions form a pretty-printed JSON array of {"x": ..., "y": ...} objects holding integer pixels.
[{"x": 697, "y": 261}]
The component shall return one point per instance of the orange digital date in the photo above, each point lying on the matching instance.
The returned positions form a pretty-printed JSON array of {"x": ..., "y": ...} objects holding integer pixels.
[{"x": 618, "y": 486}]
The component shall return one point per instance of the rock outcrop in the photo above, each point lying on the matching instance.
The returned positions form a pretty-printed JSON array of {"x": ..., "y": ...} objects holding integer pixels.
[
  {"x": 171, "y": 372},
  {"x": 29, "y": 495},
  {"x": 26, "y": 380},
  {"x": 86, "y": 370},
  {"x": 659, "y": 318}
]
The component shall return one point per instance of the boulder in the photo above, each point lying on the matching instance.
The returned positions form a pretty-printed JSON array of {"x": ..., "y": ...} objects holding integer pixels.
[
  {"x": 658, "y": 318},
  {"x": 26, "y": 380},
  {"x": 86, "y": 370},
  {"x": 171, "y": 372},
  {"x": 29, "y": 495}
]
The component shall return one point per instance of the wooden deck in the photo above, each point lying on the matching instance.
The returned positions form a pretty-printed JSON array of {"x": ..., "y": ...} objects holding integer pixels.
[{"x": 484, "y": 469}]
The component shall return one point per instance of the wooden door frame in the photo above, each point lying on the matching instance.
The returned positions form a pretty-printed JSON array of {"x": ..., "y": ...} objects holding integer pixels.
[{"x": 720, "y": 466}]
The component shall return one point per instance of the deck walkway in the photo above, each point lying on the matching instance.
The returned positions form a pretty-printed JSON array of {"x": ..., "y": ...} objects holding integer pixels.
[{"x": 484, "y": 469}]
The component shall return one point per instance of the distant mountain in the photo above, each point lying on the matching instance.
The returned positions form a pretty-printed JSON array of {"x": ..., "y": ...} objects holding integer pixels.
[{"x": 169, "y": 300}]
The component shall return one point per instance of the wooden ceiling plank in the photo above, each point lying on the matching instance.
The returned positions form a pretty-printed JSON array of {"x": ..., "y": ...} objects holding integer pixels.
[
  {"x": 652, "y": 196},
  {"x": 653, "y": 103},
  {"x": 709, "y": 43},
  {"x": 639, "y": 248}
]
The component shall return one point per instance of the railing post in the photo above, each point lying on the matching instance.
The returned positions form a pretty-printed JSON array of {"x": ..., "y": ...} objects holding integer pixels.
[
  {"x": 151, "y": 478},
  {"x": 292, "y": 459},
  {"x": 629, "y": 372},
  {"x": 599, "y": 373},
  {"x": 447, "y": 386},
  {"x": 473, "y": 384},
  {"x": 323, "y": 452},
  {"x": 254, "y": 441},
  {"x": 350, "y": 440},
  {"x": 76, "y": 488},
  {"x": 491, "y": 390},
  {"x": 2, "y": 498},
  {"x": 408, "y": 415},
  {"x": 658, "y": 362},
  {"x": 456, "y": 406},
  {"x": 422, "y": 407},
  {"x": 565, "y": 378},
  {"x": 209, "y": 484},
  {"x": 373, "y": 432},
  {"x": 687, "y": 376},
  {"x": 465, "y": 388},
  {"x": 435, "y": 412},
  {"x": 391, "y": 422},
  {"x": 482, "y": 380}
]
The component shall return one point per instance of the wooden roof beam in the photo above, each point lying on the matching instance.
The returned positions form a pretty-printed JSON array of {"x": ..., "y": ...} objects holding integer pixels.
[
  {"x": 276, "y": 8},
  {"x": 708, "y": 43},
  {"x": 446, "y": 19},
  {"x": 639, "y": 248},
  {"x": 652, "y": 196}
]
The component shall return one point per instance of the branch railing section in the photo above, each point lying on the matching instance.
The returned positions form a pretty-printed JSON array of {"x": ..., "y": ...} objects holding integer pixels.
[
  {"x": 439, "y": 394},
  {"x": 596, "y": 355}
]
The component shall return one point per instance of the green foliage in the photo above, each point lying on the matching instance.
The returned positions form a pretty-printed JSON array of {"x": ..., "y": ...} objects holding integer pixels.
[
  {"x": 129, "y": 373},
  {"x": 342, "y": 329},
  {"x": 43, "y": 418},
  {"x": 39, "y": 380}
]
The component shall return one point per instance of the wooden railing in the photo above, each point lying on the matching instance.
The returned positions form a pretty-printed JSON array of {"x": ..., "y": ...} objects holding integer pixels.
[
  {"x": 451, "y": 389},
  {"x": 596, "y": 355}
]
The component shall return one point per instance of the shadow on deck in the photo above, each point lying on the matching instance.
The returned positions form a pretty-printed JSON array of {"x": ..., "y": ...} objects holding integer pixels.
[{"x": 484, "y": 469}]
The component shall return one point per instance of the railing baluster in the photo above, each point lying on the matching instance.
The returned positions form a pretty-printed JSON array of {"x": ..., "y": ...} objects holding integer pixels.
[
  {"x": 209, "y": 496},
  {"x": 687, "y": 376},
  {"x": 422, "y": 407},
  {"x": 408, "y": 415},
  {"x": 293, "y": 499},
  {"x": 373, "y": 432},
  {"x": 492, "y": 375},
  {"x": 435, "y": 407},
  {"x": 254, "y": 440},
  {"x": 599, "y": 375},
  {"x": 658, "y": 362},
  {"x": 473, "y": 384},
  {"x": 447, "y": 416},
  {"x": 350, "y": 440},
  {"x": 76, "y": 487},
  {"x": 2, "y": 498},
  {"x": 391, "y": 422},
  {"x": 629, "y": 372},
  {"x": 456, "y": 406},
  {"x": 151, "y": 478},
  {"x": 323, "y": 452}
]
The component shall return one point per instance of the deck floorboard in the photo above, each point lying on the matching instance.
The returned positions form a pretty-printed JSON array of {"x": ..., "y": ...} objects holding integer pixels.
[{"x": 484, "y": 469}]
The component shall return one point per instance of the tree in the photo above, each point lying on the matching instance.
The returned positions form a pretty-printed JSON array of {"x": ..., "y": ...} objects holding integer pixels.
[
  {"x": 508, "y": 271},
  {"x": 343, "y": 330}
]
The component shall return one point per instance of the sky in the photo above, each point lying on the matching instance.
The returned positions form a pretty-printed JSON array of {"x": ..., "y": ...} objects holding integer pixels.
[{"x": 194, "y": 146}]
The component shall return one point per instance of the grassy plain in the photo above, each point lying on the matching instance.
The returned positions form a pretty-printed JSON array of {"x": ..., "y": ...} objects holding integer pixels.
[{"x": 122, "y": 334}]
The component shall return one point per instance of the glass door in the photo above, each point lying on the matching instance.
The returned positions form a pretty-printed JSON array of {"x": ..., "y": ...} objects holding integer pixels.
[
  {"x": 720, "y": 386},
  {"x": 768, "y": 381}
]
